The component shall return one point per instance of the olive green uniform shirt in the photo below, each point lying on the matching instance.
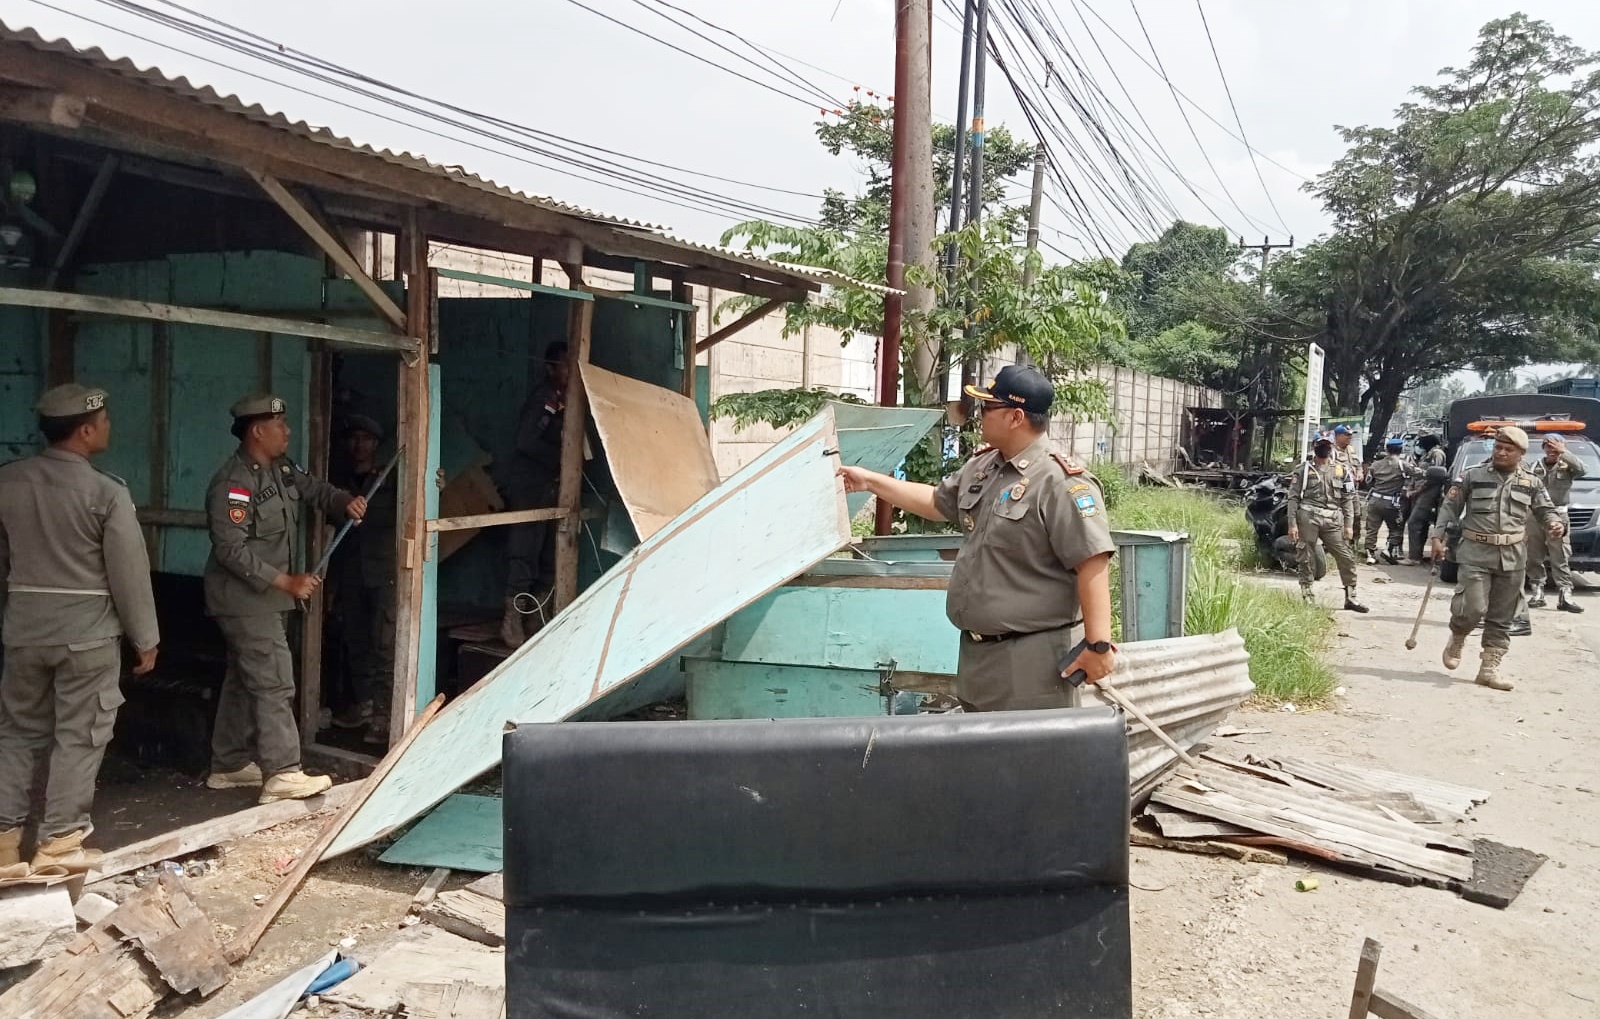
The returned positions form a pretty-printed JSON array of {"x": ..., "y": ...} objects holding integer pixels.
[
  {"x": 1324, "y": 490},
  {"x": 1388, "y": 476},
  {"x": 1485, "y": 501},
  {"x": 1558, "y": 477},
  {"x": 1029, "y": 523},
  {"x": 253, "y": 511},
  {"x": 73, "y": 565}
]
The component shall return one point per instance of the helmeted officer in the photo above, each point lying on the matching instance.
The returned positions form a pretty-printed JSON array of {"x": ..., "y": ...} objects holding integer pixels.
[{"x": 253, "y": 507}]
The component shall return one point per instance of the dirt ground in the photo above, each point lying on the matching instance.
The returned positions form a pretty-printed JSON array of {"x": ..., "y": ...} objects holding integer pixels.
[
  {"x": 1225, "y": 939},
  {"x": 1213, "y": 937}
]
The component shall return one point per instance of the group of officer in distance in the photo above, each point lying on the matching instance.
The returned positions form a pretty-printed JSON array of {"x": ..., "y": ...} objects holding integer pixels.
[
  {"x": 77, "y": 582},
  {"x": 1508, "y": 521}
]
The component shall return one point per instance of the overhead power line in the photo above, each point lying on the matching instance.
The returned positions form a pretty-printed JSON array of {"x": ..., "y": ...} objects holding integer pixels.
[{"x": 1228, "y": 90}]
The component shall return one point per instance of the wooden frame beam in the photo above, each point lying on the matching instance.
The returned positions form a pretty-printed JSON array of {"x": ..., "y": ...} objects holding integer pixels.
[
  {"x": 744, "y": 321},
  {"x": 477, "y": 520},
  {"x": 411, "y": 533},
  {"x": 42, "y": 107},
  {"x": 119, "y": 307},
  {"x": 574, "y": 423},
  {"x": 80, "y": 222},
  {"x": 331, "y": 246}
]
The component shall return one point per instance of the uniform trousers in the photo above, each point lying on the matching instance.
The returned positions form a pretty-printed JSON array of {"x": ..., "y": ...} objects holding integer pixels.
[
  {"x": 64, "y": 701},
  {"x": 1424, "y": 506},
  {"x": 1381, "y": 512},
  {"x": 1327, "y": 528},
  {"x": 1489, "y": 595},
  {"x": 1020, "y": 673},
  {"x": 255, "y": 711},
  {"x": 1554, "y": 553}
]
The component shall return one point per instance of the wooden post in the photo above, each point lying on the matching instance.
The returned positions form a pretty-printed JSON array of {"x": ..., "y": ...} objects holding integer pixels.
[
  {"x": 685, "y": 293},
  {"x": 580, "y": 321},
  {"x": 412, "y": 431},
  {"x": 160, "y": 433},
  {"x": 1366, "y": 977},
  {"x": 318, "y": 438},
  {"x": 63, "y": 343}
]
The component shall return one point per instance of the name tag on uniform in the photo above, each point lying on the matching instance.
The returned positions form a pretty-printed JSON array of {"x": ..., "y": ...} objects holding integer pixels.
[{"x": 266, "y": 493}]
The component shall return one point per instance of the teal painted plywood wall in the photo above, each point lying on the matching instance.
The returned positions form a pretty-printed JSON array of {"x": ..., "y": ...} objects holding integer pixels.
[{"x": 22, "y": 375}]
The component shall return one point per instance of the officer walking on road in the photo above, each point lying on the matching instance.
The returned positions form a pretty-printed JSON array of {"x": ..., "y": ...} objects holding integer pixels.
[
  {"x": 1491, "y": 505},
  {"x": 1321, "y": 508},
  {"x": 1032, "y": 576},
  {"x": 1348, "y": 455},
  {"x": 253, "y": 507},
  {"x": 1559, "y": 468},
  {"x": 1387, "y": 485},
  {"x": 74, "y": 580}
]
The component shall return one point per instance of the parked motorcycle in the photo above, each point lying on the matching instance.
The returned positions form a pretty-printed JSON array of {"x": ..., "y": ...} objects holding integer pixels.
[{"x": 1267, "y": 508}]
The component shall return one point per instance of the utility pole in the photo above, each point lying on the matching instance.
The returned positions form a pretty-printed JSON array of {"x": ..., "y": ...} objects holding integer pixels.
[
  {"x": 980, "y": 75},
  {"x": 911, "y": 224},
  {"x": 952, "y": 257},
  {"x": 1267, "y": 379},
  {"x": 1034, "y": 201}
]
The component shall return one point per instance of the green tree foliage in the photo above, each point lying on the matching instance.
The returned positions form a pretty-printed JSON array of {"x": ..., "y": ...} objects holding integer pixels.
[
  {"x": 1464, "y": 233},
  {"x": 1063, "y": 319}
]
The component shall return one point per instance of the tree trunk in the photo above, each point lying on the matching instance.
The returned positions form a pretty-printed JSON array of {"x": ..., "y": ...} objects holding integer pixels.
[{"x": 1385, "y": 401}]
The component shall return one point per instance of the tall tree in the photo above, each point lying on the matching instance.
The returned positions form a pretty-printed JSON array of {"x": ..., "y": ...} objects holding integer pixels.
[{"x": 1464, "y": 233}]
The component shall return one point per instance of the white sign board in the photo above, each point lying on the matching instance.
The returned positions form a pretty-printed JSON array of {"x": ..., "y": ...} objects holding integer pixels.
[{"x": 1313, "y": 408}]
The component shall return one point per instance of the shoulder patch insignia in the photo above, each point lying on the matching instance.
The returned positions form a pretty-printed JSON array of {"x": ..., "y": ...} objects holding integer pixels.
[
  {"x": 1338, "y": 470},
  {"x": 1455, "y": 491},
  {"x": 1087, "y": 504},
  {"x": 236, "y": 513},
  {"x": 238, "y": 494}
]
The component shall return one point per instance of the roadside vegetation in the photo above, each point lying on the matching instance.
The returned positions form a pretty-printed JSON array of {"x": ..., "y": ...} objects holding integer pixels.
[{"x": 1282, "y": 634}]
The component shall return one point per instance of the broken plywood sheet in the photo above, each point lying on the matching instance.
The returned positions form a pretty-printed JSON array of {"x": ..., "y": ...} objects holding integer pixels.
[
  {"x": 768, "y": 523},
  {"x": 123, "y": 966},
  {"x": 1446, "y": 798},
  {"x": 419, "y": 955},
  {"x": 458, "y": 1000},
  {"x": 469, "y": 915},
  {"x": 462, "y": 833},
  {"x": 878, "y": 438},
  {"x": 468, "y": 494},
  {"x": 655, "y": 444}
]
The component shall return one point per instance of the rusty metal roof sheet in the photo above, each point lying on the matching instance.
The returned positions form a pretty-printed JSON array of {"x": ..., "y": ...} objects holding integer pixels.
[{"x": 206, "y": 95}]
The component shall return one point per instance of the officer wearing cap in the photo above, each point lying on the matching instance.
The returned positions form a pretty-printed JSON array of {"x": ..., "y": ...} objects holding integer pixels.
[
  {"x": 1348, "y": 456},
  {"x": 1386, "y": 479},
  {"x": 1031, "y": 579},
  {"x": 74, "y": 580},
  {"x": 1558, "y": 469},
  {"x": 1427, "y": 486},
  {"x": 1491, "y": 504},
  {"x": 1321, "y": 507},
  {"x": 363, "y": 576},
  {"x": 253, "y": 508}
]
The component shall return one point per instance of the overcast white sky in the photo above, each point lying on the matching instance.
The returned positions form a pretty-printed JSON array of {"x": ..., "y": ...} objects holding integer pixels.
[{"x": 1296, "y": 69}]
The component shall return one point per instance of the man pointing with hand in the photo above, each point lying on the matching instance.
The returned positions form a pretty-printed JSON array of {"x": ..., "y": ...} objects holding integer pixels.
[{"x": 1031, "y": 579}]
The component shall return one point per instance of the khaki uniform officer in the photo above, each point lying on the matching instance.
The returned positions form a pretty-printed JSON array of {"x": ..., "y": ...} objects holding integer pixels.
[
  {"x": 1388, "y": 478},
  {"x": 1491, "y": 503},
  {"x": 1559, "y": 468},
  {"x": 253, "y": 508},
  {"x": 1347, "y": 455},
  {"x": 74, "y": 579},
  {"x": 1321, "y": 508},
  {"x": 1031, "y": 579}
]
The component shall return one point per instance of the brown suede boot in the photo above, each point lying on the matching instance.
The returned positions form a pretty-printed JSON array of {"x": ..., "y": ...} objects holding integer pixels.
[
  {"x": 66, "y": 852},
  {"x": 11, "y": 865},
  {"x": 1489, "y": 669},
  {"x": 1452, "y": 650}
]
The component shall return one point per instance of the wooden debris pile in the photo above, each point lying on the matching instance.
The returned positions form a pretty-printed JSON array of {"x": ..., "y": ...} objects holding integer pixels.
[
  {"x": 156, "y": 943},
  {"x": 1381, "y": 823}
]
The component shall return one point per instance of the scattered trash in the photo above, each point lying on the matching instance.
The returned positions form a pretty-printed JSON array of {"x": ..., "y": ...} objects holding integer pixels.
[
  {"x": 312, "y": 1001},
  {"x": 341, "y": 970},
  {"x": 1288, "y": 707},
  {"x": 1240, "y": 730},
  {"x": 1338, "y": 691},
  {"x": 258, "y": 898},
  {"x": 347, "y": 943},
  {"x": 1306, "y": 884}
]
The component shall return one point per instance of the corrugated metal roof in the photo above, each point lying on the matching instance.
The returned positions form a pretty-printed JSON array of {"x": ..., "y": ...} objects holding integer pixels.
[{"x": 206, "y": 95}]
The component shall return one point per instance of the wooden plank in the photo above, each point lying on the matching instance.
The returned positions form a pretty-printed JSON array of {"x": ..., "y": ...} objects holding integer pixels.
[
  {"x": 477, "y": 520},
  {"x": 1180, "y": 824},
  {"x": 430, "y": 888},
  {"x": 118, "y": 307},
  {"x": 1366, "y": 977},
  {"x": 175, "y": 936},
  {"x": 574, "y": 422},
  {"x": 879, "y": 437},
  {"x": 1391, "y": 1006},
  {"x": 412, "y": 420},
  {"x": 457, "y": 1000},
  {"x": 738, "y": 325},
  {"x": 42, "y": 107},
  {"x": 174, "y": 845},
  {"x": 773, "y": 519},
  {"x": 80, "y": 222},
  {"x": 1454, "y": 799},
  {"x": 422, "y": 954},
  {"x": 655, "y": 444},
  {"x": 689, "y": 322},
  {"x": 491, "y": 885},
  {"x": 331, "y": 246},
  {"x": 244, "y": 942},
  {"x": 1244, "y": 854},
  {"x": 469, "y": 494},
  {"x": 469, "y": 915},
  {"x": 464, "y": 832}
]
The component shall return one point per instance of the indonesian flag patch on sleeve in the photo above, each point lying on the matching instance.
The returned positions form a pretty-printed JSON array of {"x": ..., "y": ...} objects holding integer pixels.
[
  {"x": 237, "y": 494},
  {"x": 238, "y": 503}
]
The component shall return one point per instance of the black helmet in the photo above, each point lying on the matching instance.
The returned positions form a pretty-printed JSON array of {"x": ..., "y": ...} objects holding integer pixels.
[{"x": 1437, "y": 475}]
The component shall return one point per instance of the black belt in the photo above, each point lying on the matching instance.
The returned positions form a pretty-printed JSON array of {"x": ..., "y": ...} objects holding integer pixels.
[{"x": 973, "y": 637}]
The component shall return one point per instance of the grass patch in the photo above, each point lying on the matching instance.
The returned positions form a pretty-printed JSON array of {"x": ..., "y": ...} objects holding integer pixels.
[{"x": 1282, "y": 633}]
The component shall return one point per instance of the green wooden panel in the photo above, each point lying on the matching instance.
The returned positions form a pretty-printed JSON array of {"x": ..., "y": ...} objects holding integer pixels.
[
  {"x": 879, "y": 437},
  {"x": 463, "y": 833},
  {"x": 744, "y": 690},
  {"x": 846, "y": 627},
  {"x": 428, "y": 611},
  {"x": 764, "y": 525},
  {"x": 22, "y": 378}
]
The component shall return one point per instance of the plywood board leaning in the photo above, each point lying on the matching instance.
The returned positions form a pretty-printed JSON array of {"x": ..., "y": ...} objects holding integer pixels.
[
  {"x": 766, "y": 524},
  {"x": 656, "y": 446},
  {"x": 462, "y": 833},
  {"x": 469, "y": 915}
]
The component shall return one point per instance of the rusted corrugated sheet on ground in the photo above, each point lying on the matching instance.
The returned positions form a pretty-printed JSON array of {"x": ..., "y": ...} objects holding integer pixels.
[{"x": 1188, "y": 686}]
